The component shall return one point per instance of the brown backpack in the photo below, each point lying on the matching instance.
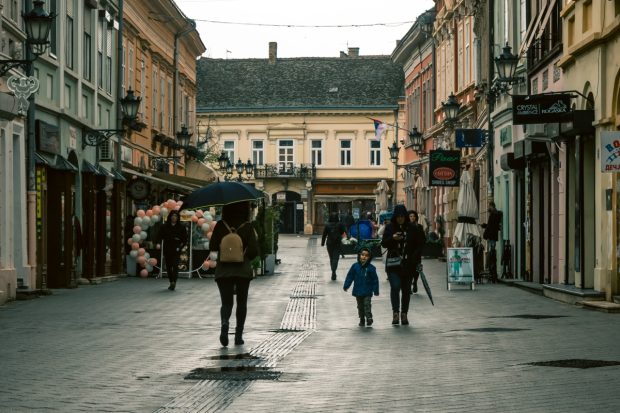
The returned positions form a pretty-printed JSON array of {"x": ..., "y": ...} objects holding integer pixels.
[{"x": 231, "y": 246}]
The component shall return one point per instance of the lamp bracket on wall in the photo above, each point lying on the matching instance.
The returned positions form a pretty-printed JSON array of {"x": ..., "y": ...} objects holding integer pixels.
[{"x": 99, "y": 137}]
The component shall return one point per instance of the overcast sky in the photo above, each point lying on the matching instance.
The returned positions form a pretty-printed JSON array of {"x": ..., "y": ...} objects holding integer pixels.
[{"x": 252, "y": 40}]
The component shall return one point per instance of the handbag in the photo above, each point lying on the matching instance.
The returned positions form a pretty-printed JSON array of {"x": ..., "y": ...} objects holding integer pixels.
[{"x": 393, "y": 262}]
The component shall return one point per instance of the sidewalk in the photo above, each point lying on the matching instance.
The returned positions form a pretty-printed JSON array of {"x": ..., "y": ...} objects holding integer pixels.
[{"x": 134, "y": 346}]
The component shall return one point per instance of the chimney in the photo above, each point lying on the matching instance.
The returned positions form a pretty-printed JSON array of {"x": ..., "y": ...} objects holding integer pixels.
[
  {"x": 343, "y": 54},
  {"x": 354, "y": 52},
  {"x": 273, "y": 52}
]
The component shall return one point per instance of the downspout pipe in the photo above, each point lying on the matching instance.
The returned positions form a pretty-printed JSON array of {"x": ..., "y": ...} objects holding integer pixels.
[
  {"x": 175, "y": 92},
  {"x": 119, "y": 89}
]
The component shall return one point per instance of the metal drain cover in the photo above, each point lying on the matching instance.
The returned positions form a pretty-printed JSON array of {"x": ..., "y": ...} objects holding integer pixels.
[
  {"x": 575, "y": 363},
  {"x": 530, "y": 316},
  {"x": 233, "y": 373}
]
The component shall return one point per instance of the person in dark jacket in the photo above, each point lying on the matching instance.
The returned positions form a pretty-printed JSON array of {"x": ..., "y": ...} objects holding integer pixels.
[
  {"x": 363, "y": 276},
  {"x": 332, "y": 236},
  {"x": 400, "y": 240},
  {"x": 416, "y": 240},
  {"x": 174, "y": 237},
  {"x": 232, "y": 277},
  {"x": 493, "y": 226}
]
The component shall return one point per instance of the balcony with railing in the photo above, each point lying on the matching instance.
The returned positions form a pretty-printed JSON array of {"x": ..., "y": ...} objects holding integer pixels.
[{"x": 301, "y": 171}]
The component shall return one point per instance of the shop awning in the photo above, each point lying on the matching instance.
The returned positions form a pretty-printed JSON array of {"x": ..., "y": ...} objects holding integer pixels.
[
  {"x": 164, "y": 182},
  {"x": 88, "y": 167},
  {"x": 182, "y": 180},
  {"x": 105, "y": 172},
  {"x": 340, "y": 198},
  {"x": 55, "y": 162}
]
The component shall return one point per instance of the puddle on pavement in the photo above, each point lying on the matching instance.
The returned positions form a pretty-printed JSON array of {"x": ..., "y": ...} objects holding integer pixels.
[
  {"x": 575, "y": 363},
  {"x": 529, "y": 316},
  {"x": 492, "y": 330},
  {"x": 233, "y": 373},
  {"x": 242, "y": 356}
]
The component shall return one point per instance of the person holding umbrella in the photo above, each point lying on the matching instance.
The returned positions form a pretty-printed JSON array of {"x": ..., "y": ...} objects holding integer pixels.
[
  {"x": 174, "y": 237},
  {"x": 234, "y": 277}
]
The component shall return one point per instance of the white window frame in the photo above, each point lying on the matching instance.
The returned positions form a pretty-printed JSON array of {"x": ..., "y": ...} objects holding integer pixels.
[
  {"x": 374, "y": 154},
  {"x": 282, "y": 164},
  {"x": 316, "y": 154},
  {"x": 230, "y": 148},
  {"x": 258, "y": 154},
  {"x": 345, "y": 155}
]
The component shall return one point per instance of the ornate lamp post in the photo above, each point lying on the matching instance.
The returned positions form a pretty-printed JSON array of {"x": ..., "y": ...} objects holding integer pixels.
[{"x": 227, "y": 166}]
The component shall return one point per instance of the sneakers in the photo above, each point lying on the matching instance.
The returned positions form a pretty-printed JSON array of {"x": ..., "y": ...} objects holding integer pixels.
[
  {"x": 395, "y": 319},
  {"x": 333, "y": 276},
  {"x": 362, "y": 322}
]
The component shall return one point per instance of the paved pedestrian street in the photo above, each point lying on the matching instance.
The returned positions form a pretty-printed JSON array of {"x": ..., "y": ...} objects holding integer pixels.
[{"x": 133, "y": 346}]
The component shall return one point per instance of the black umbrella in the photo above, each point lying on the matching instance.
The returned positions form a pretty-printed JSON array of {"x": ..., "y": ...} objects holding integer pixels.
[
  {"x": 221, "y": 193},
  {"x": 425, "y": 283}
]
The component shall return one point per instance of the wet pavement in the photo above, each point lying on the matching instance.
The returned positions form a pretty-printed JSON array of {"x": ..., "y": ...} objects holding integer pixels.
[{"x": 133, "y": 346}]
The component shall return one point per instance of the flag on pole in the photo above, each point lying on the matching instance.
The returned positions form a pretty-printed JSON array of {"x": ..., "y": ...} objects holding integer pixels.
[{"x": 380, "y": 127}]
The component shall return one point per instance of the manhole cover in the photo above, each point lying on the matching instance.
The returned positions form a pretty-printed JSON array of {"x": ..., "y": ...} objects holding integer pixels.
[
  {"x": 492, "y": 329},
  {"x": 530, "y": 316},
  {"x": 233, "y": 373},
  {"x": 575, "y": 363}
]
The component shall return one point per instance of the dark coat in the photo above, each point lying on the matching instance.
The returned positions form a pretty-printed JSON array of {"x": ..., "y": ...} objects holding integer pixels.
[
  {"x": 174, "y": 238},
  {"x": 250, "y": 245},
  {"x": 410, "y": 247},
  {"x": 364, "y": 279},
  {"x": 329, "y": 227},
  {"x": 493, "y": 226}
]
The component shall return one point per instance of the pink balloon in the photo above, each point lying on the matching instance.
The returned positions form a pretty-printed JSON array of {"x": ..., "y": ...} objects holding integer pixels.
[
  {"x": 194, "y": 218},
  {"x": 156, "y": 209},
  {"x": 212, "y": 264},
  {"x": 205, "y": 264},
  {"x": 212, "y": 225},
  {"x": 141, "y": 251},
  {"x": 137, "y": 229},
  {"x": 135, "y": 246},
  {"x": 153, "y": 261},
  {"x": 149, "y": 213},
  {"x": 144, "y": 273},
  {"x": 177, "y": 207},
  {"x": 209, "y": 234},
  {"x": 201, "y": 221},
  {"x": 199, "y": 213},
  {"x": 140, "y": 213},
  {"x": 130, "y": 241},
  {"x": 141, "y": 260}
]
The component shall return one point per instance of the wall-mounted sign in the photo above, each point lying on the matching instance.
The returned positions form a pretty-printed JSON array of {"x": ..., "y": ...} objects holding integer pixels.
[
  {"x": 444, "y": 168},
  {"x": 469, "y": 138},
  {"x": 531, "y": 109},
  {"x": 610, "y": 151},
  {"x": 48, "y": 138}
]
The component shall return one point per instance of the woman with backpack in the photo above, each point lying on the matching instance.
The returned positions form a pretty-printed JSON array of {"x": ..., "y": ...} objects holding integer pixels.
[
  {"x": 332, "y": 236},
  {"x": 233, "y": 271}
]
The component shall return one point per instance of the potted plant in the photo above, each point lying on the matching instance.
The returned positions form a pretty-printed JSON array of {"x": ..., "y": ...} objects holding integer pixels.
[{"x": 266, "y": 226}]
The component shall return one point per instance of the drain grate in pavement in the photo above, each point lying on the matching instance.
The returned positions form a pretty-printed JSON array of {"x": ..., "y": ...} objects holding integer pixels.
[
  {"x": 233, "y": 373},
  {"x": 492, "y": 329},
  {"x": 530, "y": 316},
  {"x": 575, "y": 363},
  {"x": 242, "y": 356}
]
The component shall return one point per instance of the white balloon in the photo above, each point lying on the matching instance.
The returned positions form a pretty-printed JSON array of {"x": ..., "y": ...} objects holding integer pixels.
[
  {"x": 154, "y": 219},
  {"x": 137, "y": 221},
  {"x": 143, "y": 235},
  {"x": 146, "y": 220},
  {"x": 147, "y": 255},
  {"x": 208, "y": 217},
  {"x": 144, "y": 226},
  {"x": 149, "y": 267},
  {"x": 205, "y": 227},
  {"x": 136, "y": 238},
  {"x": 133, "y": 253},
  {"x": 206, "y": 245},
  {"x": 164, "y": 211},
  {"x": 192, "y": 213}
]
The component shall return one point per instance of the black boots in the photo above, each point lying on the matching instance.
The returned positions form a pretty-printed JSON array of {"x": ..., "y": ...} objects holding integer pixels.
[
  {"x": 172, "y": 286},
  {"x": 403, "y": 319},
  {"x": 333, "y": 275},
  {"x": 224, "y": 333},
  {"x": 395, "y": 318},
  {"x": 239, "y": 336}
]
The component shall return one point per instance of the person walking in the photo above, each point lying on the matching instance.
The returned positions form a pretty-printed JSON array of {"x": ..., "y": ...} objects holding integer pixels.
[
  {"x": 332, "y": 237},
  {"x": 174, "y": 237},
  {"x": 416, "y": 240},
  {"x": 363, "y": 276},
  {"x": 395, "y": 239},
  {"x": 491, "y": 234},
  {"x": 234, "y": 277}
]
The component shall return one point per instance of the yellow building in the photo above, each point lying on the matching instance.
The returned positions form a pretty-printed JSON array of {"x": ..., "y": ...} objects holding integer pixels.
[{"x": 306, "y": 126}]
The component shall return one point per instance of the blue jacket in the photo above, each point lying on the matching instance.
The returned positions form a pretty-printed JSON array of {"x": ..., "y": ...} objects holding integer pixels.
[{"x": 364, "y": 278}]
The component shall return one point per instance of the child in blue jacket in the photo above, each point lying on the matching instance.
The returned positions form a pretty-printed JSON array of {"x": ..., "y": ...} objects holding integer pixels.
[{"x": 365, "y": 281}]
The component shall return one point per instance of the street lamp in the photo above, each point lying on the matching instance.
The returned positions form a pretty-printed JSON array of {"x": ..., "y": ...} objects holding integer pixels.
[
  {"x": 228, "y": 167},
  {"x": 38, "y": 24},
  {"x": 451, "y": 108},
  {"x": 130, "y": 105},
  {"x": 506, "y": 64},
  {"x": 417, "y": 141}
]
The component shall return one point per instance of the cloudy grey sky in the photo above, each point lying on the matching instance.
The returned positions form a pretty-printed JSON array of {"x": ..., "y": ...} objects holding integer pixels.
[{"x": 379, "y": 25}]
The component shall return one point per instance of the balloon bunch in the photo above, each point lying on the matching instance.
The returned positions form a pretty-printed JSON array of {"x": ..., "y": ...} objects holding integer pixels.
[{"x": 204, "y": 222}]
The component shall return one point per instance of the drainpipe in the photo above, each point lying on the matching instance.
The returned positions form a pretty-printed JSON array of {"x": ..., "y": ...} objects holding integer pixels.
[
  {"x": 175, "y": 86},
  {"x": 119, "y": 90}
]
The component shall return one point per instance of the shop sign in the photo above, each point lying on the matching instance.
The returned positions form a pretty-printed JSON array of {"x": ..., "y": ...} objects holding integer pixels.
[
  {"x": 444, "y": 168},
  {"x": 469, "y": 138},
  {"x": 610, "y": 151},
  {"x": 532, "y": 109},
  {"x": 460, "y": 264}
]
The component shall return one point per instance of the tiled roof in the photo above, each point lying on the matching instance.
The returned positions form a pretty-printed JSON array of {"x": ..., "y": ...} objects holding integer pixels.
[{"x": 297, "y": 83}]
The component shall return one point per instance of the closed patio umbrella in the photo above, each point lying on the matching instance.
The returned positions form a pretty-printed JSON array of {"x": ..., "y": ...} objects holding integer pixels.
[{"x": 467, "y": 209}]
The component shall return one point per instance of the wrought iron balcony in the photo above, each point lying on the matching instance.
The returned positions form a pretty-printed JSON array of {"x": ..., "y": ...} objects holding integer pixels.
[{"x": 301, "y": 171}]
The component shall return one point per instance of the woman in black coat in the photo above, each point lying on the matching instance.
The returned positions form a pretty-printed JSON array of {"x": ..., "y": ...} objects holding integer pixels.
[
  {"x": 174, "y": 237},
  {"x": 401, "y": 239},
  {"x": 416, "y": 240},
  {"x": 332, "y": 236}
]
